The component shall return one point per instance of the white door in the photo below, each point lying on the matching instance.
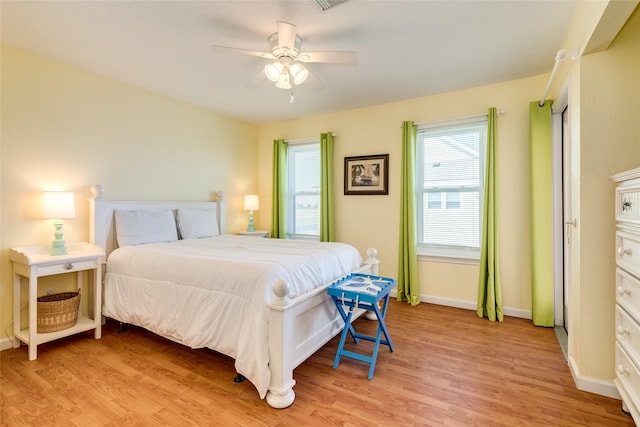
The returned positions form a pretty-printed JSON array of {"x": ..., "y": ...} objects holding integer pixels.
[
  {"x": 563, "y": 223},
  {"x": 568, "y": 220}
]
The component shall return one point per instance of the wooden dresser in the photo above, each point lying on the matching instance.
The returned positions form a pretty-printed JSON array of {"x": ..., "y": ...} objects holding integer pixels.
[{"x": 627, "y": 323}]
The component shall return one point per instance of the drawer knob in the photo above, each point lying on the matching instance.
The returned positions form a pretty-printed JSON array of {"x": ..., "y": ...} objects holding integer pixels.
[
  {"x": 622, "y": 251},
  {"x": 622, "y": 370},
  {"x": 626, "y": 205},
  {"x": 68, "y": 266},
  {"x": 623, "y": 331},
  {"x": 623, "y": 291}
]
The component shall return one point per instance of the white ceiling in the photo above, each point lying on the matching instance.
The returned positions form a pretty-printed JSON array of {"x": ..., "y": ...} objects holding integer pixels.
[{"x": 406, "y": 49}]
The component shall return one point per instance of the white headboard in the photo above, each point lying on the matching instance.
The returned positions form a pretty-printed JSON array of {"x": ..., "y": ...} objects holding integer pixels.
[{"x": 102, "y": 224}]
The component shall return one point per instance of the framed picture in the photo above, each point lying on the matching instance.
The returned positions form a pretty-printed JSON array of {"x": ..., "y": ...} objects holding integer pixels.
[{"x": 366, "y": 174}]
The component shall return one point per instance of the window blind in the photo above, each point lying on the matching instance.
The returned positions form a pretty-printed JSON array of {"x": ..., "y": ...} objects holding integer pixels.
[{"x": 450, "y": 179}]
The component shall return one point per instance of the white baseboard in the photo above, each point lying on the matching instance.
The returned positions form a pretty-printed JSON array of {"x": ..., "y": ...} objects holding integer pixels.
[
  {"x": 592, "y": 385},
  {"x": 5, "y": 344},
  {"x": 468, "y": 305}
]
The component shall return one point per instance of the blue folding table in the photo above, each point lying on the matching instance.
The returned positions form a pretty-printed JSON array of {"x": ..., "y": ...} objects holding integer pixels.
[{"x": 362, "y": 291}]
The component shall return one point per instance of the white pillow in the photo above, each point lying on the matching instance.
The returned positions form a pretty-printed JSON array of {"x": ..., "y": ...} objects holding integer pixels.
[
  {"x": 136, "y": 227},
  {"x": 196, "y": 223}
]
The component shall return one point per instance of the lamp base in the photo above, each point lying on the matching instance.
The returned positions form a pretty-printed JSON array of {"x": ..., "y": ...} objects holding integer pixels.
[
  {"x": 251, "y": 227},
  {"x": 57, "y": 246}
]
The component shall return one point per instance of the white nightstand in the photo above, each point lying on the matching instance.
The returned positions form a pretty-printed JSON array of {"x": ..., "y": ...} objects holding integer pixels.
[
  {"x": 33, "y": 262},
  {"x": 257, "y": 233}
]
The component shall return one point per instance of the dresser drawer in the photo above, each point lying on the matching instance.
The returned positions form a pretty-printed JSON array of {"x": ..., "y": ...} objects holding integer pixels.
[
  {"x": 628, "y": 292},
  {"x": 628, "y": 333},
  {"x": 628, "y": 204},
  {"x": 628, "y": 252},
  {"x": 627, "y": 373}
]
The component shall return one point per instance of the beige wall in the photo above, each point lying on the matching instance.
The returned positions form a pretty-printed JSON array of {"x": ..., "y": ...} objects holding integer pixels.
[
  {"x": 66, "y": 129},
  {"x": 609, "y": 142},
  {"x": 372, "y": 221},
  {"x": 605, "y": 139}
]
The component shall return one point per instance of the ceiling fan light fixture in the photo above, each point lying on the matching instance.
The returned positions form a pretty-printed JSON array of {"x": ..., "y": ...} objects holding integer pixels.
[
  {"x": 278, "y": 49},
  {"x": 284, "y": 82},
  {"x": 298, "y": 73},
  {"x": 273, "y": 71},
  {"x": 287, "y": 71}
]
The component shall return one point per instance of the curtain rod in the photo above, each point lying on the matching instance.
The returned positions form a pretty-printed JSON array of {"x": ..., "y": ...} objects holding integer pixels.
[
  {"x": 458, "y": 119},
  {"x": 561, "y": 55},
  {"x": 305, "y": 140}
]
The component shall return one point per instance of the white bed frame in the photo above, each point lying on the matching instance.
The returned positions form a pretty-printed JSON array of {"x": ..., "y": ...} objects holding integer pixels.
[{"x": 298, "y": 327}]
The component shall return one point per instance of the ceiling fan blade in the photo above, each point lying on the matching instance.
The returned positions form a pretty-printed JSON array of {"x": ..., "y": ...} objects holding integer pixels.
[
  {"x": 286, "y": 35},
  {"x": 264, "y": 55},
  {"x": 336, "y": 57}
]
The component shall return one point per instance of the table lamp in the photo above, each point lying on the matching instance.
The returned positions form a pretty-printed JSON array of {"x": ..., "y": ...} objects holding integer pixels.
[
  {"x": 251, "y": 204},
  {"x": 58, "y": 205}
]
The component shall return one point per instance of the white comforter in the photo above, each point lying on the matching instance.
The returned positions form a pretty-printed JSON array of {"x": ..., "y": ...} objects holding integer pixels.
[{"x": 214, "y": 292}]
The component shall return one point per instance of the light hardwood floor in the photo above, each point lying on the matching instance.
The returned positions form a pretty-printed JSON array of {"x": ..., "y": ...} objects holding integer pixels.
[{"x": 449, "y": 368}]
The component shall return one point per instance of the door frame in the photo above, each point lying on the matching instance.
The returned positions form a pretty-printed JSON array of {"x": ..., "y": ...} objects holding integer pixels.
[{"x": 561, "y": 205}]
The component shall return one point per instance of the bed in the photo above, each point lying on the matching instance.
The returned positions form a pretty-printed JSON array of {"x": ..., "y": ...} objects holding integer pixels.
[{"x": 196, "y": 290}]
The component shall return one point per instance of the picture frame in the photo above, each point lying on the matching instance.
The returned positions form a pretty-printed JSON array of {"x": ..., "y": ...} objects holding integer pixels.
[{"x": 366, "y": 175}]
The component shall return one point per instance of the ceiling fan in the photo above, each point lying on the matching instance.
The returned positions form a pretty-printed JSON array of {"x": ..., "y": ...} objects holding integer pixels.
[{"x": 287, "y": 69}]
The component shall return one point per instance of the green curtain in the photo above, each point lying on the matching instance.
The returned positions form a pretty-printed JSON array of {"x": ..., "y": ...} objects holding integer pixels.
[
  {"x": 489, "y": 290},
  {"x": 327, "y": 232},
  {"x": 541, "y": 214},
  {"x": 279, "y": 183},
  {"x": 408, "y": 286}
]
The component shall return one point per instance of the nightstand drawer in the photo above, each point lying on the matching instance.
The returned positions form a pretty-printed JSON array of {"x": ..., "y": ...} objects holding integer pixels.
[
  {"x": 66, "y": 267},
  {"x": 257, "y": 233}
]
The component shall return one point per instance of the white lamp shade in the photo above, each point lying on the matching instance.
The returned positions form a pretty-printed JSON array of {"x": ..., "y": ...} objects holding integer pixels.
[
  {"x": 251, "y": 202},
  {"x": 272, "y": 71},
  {"x": 284, "y": 82},
  {"x": 58, "y": 204},
  {"x": 298, "y": 73}
]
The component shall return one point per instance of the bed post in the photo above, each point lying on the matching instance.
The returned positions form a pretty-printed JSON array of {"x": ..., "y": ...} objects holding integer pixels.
[
  {"x": 374, "y": 266},
  {"x": 97, "y": 234},
  {"x": 373, "y": 262},
  {"x": 280, "y": 394},
  {"x": 221, "y": 210}
]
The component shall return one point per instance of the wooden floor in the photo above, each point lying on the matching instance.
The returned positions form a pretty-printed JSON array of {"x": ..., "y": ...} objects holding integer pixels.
[{"x": 449, "y": 368}]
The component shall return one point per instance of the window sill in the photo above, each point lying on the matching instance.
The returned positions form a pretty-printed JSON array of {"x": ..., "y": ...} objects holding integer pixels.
[{"x": 451, "y": 256}]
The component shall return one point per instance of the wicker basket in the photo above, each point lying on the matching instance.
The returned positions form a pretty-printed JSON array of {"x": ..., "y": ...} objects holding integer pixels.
[{"x": 58, "y": 311}]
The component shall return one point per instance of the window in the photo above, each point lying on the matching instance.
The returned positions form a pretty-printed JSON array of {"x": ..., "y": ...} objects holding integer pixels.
[
  {"x": 434, "y": 200},
  {"x": 453, "y": 200},
  {"x": 303, "y": 190},
  {"x": 450, "y": 178}
]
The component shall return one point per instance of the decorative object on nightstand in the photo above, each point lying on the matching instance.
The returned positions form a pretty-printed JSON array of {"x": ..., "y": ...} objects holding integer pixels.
[
  {"x": 251, "y": 204},
  {"x": 58, "y": 205},
  {"x": 33, "y": 262}
]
